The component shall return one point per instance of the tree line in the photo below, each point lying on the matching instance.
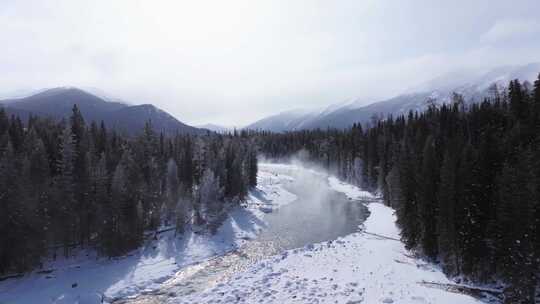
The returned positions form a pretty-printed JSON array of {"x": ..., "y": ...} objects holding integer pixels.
[
  {"x": 464, "y": 180},
  {"x": 69, "y": 184}
]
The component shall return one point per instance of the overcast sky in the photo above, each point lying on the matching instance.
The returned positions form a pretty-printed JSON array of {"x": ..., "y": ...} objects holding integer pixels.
[{"x": 232, "y": 62}]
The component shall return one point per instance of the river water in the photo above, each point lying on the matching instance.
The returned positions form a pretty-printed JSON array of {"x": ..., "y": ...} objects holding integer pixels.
[{"x": 318, "y": 214}]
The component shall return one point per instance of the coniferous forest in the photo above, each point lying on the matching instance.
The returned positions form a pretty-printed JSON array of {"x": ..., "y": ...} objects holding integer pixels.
[
  {"x": 71, "y": 184},
  {"x": 464, "y": 181}
]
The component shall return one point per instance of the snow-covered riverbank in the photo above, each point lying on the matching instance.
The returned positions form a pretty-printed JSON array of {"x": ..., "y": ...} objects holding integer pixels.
[
  {"x": 87, "y": 279},
  {"x": 359, "y": 268}
]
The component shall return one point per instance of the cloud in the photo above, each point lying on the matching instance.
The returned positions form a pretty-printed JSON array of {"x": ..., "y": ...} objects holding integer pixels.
[
  {"x": 232, "y": 62},
  {"x": 507, "y": 29}
]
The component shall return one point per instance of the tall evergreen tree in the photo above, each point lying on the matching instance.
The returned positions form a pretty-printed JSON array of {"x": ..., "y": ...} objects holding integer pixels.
[
  {"x": 536, "y": 105},
  {"x": 65, "y": 191},
  {"x": 173, "y": 188},
  {"x": 208, "y": 198},
  {"x": 427, "y": 199},
  {"x": 448, "y": 236}
]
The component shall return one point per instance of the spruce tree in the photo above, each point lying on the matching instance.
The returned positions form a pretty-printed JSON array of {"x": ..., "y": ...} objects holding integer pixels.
[
  {"x": 252, "y": 167},
  {"x": 172, "y": 189},
  {"x": 408, "y": 215},
  {"x": 66, "y": 224},
  {"x": 208, "y": 198},
  {"x": 12, "y": 224},
  {"x": 427, "y": 199},
  {"x": 4, "y": 121},
  {"x": 517, "y": 102},
  {"x": 536, "y": 105},
  {"x": 447, "y": 238}
]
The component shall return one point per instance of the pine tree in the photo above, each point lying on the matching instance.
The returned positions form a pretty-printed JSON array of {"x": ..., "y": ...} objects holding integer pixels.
[
  {"x": 12, "y": 228},
  {"x": 182, "y": 211},
  {"x": 147, "y": 159},
  {"x": 4, "y": 121},
  {"x": 39, "y": 164},
  {"x": 447, "y": 238},
  {"x": 427, "y": 200},
  {"x": 208, "y": 199},
  {"x": 394, "y": 195},
  {"x": 517, "y": 102},
  {"x": 103, "y": 223},
  {"x": 64, "y": 191},
  {"x": 408, "y": 219},
  {"x": 172, "y": 191},
  {"x": 252, "y": 167},
  {"x": 80, "y": 170},
  {"x": 101, "y": 140},
  {"x": 16, "y": 133},
  {"x": 536, "y": 105},
  {"x": 187, "y": 172},
  {"x": 129, "y": 222}
]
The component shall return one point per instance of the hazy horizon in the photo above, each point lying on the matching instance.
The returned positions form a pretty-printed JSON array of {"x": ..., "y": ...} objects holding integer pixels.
[{"x": 231, "y": 63}]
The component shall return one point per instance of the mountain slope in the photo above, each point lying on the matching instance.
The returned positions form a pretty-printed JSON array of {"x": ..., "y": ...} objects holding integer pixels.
[
  {"x": 58, "y": 103},
  {"x": 284, "y": 121},
  {"x": 474, "y": 86},
  {"x": 134, "y": 118}
]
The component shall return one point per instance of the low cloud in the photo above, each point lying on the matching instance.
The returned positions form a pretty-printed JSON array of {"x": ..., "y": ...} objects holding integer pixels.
[
  {"x": 233, "y": 62},
  {"x": 508, "y": 29}
]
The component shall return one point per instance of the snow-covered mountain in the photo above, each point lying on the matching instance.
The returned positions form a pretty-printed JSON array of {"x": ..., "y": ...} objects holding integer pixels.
[
  {"x": 284, "y": 121},
  {"x": 473, "y": 85}
]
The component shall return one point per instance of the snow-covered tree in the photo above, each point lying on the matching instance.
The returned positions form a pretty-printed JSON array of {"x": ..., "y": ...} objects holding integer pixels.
[
  {"x": 65, "y": 190},
  {"x": 208, "y": 197},
  {"x": 182, "y": 213}
]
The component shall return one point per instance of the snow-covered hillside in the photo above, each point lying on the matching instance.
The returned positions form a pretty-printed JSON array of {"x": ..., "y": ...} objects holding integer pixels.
[
  {"x": 284, "y": 121},
  {"x": 473, "y": 85}
]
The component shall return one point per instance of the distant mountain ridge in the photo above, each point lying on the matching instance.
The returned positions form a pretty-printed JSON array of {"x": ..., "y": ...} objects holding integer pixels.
[
  {"x": 129, "y": 119},
  {"x": 284, "y": 121},
  {"x": 473, "y": 86},
  {"x": 216, "y": 128}
]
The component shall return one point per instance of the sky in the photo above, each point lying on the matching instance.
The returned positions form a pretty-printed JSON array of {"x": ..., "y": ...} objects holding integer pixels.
[{"x": 233, "y": 62}]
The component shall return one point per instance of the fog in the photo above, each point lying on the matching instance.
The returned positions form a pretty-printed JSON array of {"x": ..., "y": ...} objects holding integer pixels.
[
  {"x": 232, "y": 62},
  {"x": 300, "y": 161},
  {"x": 319, "y": 213}
]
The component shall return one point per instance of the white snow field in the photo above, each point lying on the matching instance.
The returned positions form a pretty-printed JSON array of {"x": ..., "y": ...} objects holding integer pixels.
[
  {"x": 358, "y": 268},
  {"x": 102, "y": 279}
]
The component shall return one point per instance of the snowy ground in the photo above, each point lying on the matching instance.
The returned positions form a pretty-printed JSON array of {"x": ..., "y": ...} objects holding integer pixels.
[
  {"x": 359, "y": 268},
  {"x": 87, "y": 279}
]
